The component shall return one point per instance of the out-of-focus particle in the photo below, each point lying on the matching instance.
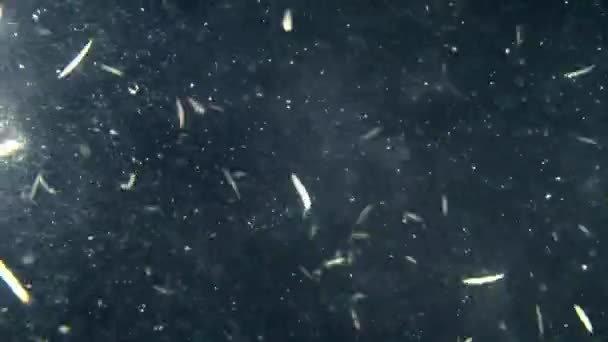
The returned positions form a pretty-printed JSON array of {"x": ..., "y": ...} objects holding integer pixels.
[
  {"x": 287, "y": 21},
  {"x": 64, "y": 329}
]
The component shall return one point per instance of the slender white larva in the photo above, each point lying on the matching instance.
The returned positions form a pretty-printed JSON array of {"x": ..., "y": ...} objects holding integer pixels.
[
  {"x": 582, "y": 316},
  {"x": 112, "y": 70},
  {"x": 301, "y": 190},
  {"x": 14, "y": 284},
  {"x": 232, "y": 182},
  {"x": 484, "y": 279},
  {"x": 181, "y": 113},
  {"x": 197, "y": 106},
  {"x": 539, "y": 322},
  {"x": 364, "y": 214},
  {"x": 410, "y": 216},
  {"x": 586, "y": 140},
  {"x": 371, "y": 134},
  {"x": 76, "y": 61},
  {"x": 580, "y": 72}
]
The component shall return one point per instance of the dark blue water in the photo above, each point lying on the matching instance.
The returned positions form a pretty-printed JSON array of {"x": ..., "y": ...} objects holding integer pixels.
[{"x": 462, "y": 109}]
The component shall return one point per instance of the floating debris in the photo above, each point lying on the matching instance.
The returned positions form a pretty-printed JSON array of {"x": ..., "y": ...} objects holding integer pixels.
[
  {"x": 112, "y": 70},
  {"x": 76, "y": 61},
  {"x": 314, "y": 229},
  {"x": 133, "y": 89},
  {"x": 14, "y": 284},
  {"x": 287, "y": 21},
  {"x": 232, "y": 183},
  {"x": 130, "y": 183},
  {"x": 364, "y": 214},
  {"x": 444, "y": 205},
  {"x": 84, "y": 150},
  {"x": 304, "y": 196},
  {"x": 28, "y": 258},
  {"x": 198, "y": 107},
  {"x": 38, "y": 182},
  {"x": 539, "y": 322},
  {"x": 181, "y": 113},
  {"x": 484, "y": 279},
  {"x": 580, "y": 72},
  {"x": 582, "y": 316}
]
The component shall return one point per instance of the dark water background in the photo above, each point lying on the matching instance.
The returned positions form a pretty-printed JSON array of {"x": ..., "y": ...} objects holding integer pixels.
[{"x": 465, "y": 111}]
